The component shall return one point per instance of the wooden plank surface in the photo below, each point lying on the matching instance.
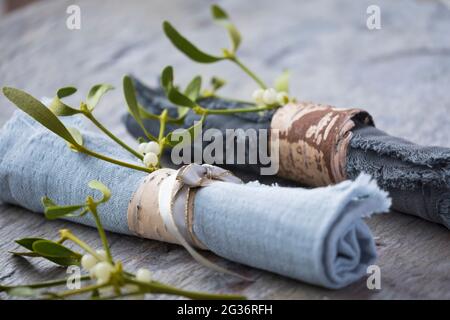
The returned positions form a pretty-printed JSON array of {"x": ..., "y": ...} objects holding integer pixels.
[{"x": 400, "y": 73}]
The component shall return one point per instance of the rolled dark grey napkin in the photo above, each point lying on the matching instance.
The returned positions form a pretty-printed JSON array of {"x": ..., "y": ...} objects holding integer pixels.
[{"x": 417, "y": 177}]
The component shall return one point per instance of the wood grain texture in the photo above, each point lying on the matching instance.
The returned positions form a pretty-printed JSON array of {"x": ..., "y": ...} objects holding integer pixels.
[{"x": 400, "y": 74}]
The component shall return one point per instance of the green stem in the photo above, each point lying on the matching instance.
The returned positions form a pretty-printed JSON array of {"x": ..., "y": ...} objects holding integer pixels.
[
  {"x": 91, "y": 117},
  {"x": 69, "y": 293},
  {"x": 237, "y": 110},
  {"x": 162, "y": 124},
  {"x": 215, "y": 96},
  {"x": 162, "y": 129},
  {"x": 157, "y": 287},
  {"x": 45, "y": 284},
  {"x": 248, "y": 71},
  {"x": 66, "y": 234},
  {"x": 118, "y": 162},
  {"x": 148, "y": 115},
  {"x": 102, "y": 234}
]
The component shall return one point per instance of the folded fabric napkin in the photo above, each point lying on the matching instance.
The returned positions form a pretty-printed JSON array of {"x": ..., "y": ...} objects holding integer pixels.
[
  {"x": 416, "y": 177},
  {"x": 314, "y": 235}
]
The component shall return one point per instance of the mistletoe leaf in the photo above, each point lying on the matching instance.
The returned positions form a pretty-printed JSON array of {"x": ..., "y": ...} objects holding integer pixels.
[
  {"x": 58, "y": 107},
  {"x": 53, "y": 211},
  {"x": 186, "y": 47},
  {"x": 39, "y": 112},
  {"x": 97, "y": 185},
  {"x": 282, "y": 82},
  {"x": 167, "y": 78},
  {"x": 56, "y": 212},
  {"x": 217, "y": 83},
  {"x": 96, "y": 93},
  {"x": 28, "y": 242},
  {"x": 76, "y": 134},
  {"x": 192, "y": 90},
  {"x": 174, "y": 137},
  {"x": 50, "y": 249},
  {"x": 176, "y": 97},
  {"x": 53, "y": 252},
  {"x": 133, "y": 106},
  {"x": 222, "y": 18},
  {"x": 25, "y": 254}
]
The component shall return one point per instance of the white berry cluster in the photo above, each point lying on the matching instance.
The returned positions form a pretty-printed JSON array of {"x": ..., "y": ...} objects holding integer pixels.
[
  {"x": 101, "y": 270},
  {"x": 150, "y": 150},
  {"x": 270, "y": 96}
]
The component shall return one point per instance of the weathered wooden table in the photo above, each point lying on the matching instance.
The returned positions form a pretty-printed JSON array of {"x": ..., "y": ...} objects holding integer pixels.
[{"x": 400, "y": 73}]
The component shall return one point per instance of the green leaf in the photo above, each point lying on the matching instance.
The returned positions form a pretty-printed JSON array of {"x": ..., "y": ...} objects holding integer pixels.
[
  {"x": 60, "y": 108},
  {"x": 76, "y": 134},
  {"x": 39, "y": 112},
  {"x": 222, "y": 18},
  {"x": 167, "y": 78},
  {"x": 192, "y": 91},
  {"x": 69, "y": 257},
  {"x": 47, "y": 202},
  {"x": 97, "y": 185},
  {"x": 28, "y": 242},
  {"x": 193, "y": 88},
  {"x": 25, "y": 254},
  {"x": 176, "y": 97},
  {"x": 56, "y": 212},
  {"x": 217, "y": 83},
  {"x": 282, "y": 82},
  {"x": 96, "y": 93},
  {"x": 56, "y": 253},
  {"x": 133, "y": 106},
  {"x": 173, "y": 94},
  {"x": 145, "y": 114},
  {"x": 185, "y": 46},
  {"x": 182, "y": 112},
  {"x": 174, "y": 137}
]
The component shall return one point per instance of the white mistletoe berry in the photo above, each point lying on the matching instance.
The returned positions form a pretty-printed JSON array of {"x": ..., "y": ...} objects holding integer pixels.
[
  {"x": 270, "y": 96},
  {"x": 258, "y": 96},
  {"x": 143, "y": 275},
  {"x": 141, "y": 147},
  {"x": 101, "y": 253},
  {"x": 88, "y": 261},
  {"x": 282, "y": 98},
  {"x": 152, "y": 147},
  {"x": 150, "y": 159},
  {"x": 102, "y": 272}
]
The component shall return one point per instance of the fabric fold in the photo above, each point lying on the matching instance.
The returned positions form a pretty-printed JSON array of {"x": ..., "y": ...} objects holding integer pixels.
[
  {"x": 416, "y": 177},
  {"x": 313, "y": 235}
]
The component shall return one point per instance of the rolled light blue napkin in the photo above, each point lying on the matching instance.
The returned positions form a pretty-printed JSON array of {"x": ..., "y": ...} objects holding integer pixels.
[{"x": 314, "y": 235}]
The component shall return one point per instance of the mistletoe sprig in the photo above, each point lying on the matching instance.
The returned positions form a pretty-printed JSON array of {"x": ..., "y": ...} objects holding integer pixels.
[
  {"x": 151, "y": 148},
  {"x": 266, "y": 98},
  {"x": 106, "y": 274},
  {"x": 106, "y": 278}
]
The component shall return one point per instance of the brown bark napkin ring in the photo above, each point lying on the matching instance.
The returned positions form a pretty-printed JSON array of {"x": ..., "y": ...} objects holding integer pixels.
[
  {"x": 163, "y": 206},
  {"x": 313, "y": 141}
]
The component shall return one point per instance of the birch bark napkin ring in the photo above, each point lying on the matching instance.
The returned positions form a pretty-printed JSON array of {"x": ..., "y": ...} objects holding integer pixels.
[{"x": 314, "y": 140}]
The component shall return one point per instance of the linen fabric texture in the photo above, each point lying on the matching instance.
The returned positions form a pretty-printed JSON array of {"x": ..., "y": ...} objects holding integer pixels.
[
  {"x": 416, "y": 177},
  {"x": 314, "y": 235}
]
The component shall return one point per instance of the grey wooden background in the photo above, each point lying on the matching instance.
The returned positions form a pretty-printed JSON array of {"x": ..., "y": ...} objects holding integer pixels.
[{"x": 401, "y": 74}]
